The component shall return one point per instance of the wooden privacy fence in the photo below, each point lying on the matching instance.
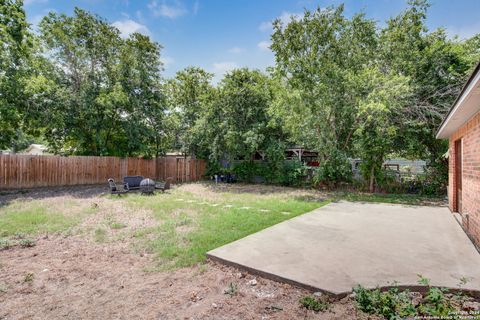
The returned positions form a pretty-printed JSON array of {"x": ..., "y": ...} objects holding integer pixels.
[{"x": 28, "y": 171}]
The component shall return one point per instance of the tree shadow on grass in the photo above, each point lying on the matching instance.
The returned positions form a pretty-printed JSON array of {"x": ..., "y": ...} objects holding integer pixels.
[
  {"x": 79, "y": 192},
  {"x": 240, "y": 187},
  {"x": 297, "y": 193}
]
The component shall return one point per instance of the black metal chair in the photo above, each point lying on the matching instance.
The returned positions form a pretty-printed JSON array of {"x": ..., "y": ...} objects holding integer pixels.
[
  {"x": 162, "y": 186},
  {"x": 114, "y": 189}
]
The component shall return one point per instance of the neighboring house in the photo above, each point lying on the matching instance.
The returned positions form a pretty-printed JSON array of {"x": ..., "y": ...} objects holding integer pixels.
[
  {"x": 462, "y": 127},
  {"x": 175, "y": 154},
  {"x": 299, "y": 153},
  {"x": 35, "y": 149},
  {"x": 309, "y": 157}
]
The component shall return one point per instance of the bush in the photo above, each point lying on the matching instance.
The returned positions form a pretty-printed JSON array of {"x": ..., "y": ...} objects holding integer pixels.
[
  {"x": 19, "y": 235},
  {"x": 29, "y": 277},
  {"x": 388, "y": 181},
  {"x": 213, "y": 168},
  {"x": 290, "y": 173},
  {"x": 393, "y": 304},
  {"x": 275, "y": 161},
  {"x": 433, "y": 182},
  {"x": 334, "y": 170},
  {"x": 293, "y": 173},
  {"x": 428, "y": 183},
  {"x": 424, "y": 184},
  {"x": 247, "y": 171},
  {"x": 436, "y": 304}
]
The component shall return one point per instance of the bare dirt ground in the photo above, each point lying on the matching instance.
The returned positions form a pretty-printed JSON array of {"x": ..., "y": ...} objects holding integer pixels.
[{"x": 74, "y": 278}]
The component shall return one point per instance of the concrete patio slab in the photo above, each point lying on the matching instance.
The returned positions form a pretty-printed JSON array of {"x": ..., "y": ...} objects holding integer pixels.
[{"x": 343, "y": 244}]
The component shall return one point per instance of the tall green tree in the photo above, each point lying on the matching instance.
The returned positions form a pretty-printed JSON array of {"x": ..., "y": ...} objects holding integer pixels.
[
  {"x": 85, "y": 50},
  {"x": 436, "y": 66},
  {"x": 327, "y": 64},
  {"x": 108, "y": 89},
  {"x": 145, "y": 125},
  {"x": 323, "y": 58},
  {"x": 237, "y": 122},
  {"x": 380, "y": 116},
  {"x": 15, "y": 51},
  {"x": 189, "y": 93}
]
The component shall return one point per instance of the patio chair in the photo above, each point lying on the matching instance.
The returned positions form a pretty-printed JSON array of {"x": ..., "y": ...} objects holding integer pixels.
[
  {"x": 163, "y": 185},
  {"x": 133, "y": 182},
  {"x": 114, "y": 189}
]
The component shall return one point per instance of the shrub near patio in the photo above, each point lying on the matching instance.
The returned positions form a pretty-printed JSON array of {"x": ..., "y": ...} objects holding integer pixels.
[
  {"x": 193, "y": 224},
  {"x": 435, "y": 303}
]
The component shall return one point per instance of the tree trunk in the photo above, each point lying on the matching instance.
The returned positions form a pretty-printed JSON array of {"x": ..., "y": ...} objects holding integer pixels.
[{"x": 372, "y": 179}]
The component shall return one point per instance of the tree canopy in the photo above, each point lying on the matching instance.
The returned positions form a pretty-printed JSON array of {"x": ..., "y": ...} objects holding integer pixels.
[
  {"x": 365, "y": 91},
  {"x": 16, "y": 45},
  {"x": 347, "y": 87}
]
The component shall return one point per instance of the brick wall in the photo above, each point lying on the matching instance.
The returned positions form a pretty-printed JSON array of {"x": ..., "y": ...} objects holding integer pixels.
[{"x": 470, "y": 135}]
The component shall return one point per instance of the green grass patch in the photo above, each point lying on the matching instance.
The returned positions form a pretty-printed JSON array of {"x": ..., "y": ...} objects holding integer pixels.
[
  {"x": 117, "y": 225},
  {"x": 100, "y": 235},
  {"x": 192, "y": 226},
  {"x": 33, "y": 217}
]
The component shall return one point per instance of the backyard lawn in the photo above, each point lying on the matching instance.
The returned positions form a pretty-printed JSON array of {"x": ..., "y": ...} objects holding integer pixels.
[
  {"x": 70, "y": 251},
  {"x": 195, "y": 221},
  {"x": 183, "y": 224},
  {"x": 177, "y": 227}
]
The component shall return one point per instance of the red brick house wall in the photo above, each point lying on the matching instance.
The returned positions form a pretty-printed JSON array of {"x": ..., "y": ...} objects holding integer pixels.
[{"x": 470, "y": 135}]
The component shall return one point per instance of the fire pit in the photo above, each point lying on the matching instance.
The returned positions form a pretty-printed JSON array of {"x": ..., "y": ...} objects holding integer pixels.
[{"x": 147, "y": 186}]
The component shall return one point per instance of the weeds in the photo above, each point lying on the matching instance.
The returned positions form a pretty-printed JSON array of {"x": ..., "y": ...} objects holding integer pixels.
[
  {"x": 310, "y": 303},
  {"x": 117, "y": 225},
  {"x": 436, "y": 304},
  {"x": 29, "y": 277},
  {"x": 100, "y": 235},
  {"x": 395, "y": 304},
  {"x": 391, "y": 304},
  {"x": 423, "y": 281},
  {"x": 231, "y": 290},
  {"x": 201, "y": 269},
  {"x": 5, "y": 244},
  {"x": 19, "y": 236},
  {"x": 27, "y": 243},
  {"x": 463, "y": 281}
]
